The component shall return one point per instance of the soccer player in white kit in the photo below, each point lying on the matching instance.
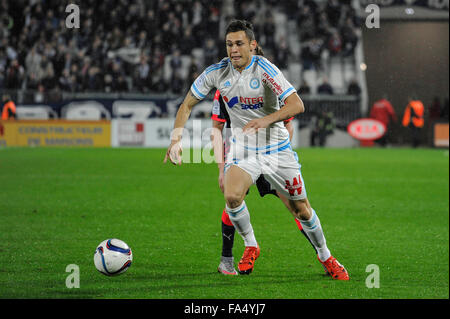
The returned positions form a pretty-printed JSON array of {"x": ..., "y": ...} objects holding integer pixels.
[{"x": 252, "y": 86}]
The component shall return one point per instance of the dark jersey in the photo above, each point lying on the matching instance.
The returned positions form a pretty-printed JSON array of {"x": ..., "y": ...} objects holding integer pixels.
[{"x": 219, "y": 112}]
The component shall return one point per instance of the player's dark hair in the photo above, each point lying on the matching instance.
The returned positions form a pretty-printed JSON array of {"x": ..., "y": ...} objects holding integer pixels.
[
  {"x": 241, "y": 25},
  {"x": 259, "y": 51}
]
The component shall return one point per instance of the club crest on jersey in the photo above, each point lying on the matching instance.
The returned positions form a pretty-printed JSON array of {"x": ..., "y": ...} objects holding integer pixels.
[
  {"x": 295, "y": 187},
  {"x": 254, "y": 83}
]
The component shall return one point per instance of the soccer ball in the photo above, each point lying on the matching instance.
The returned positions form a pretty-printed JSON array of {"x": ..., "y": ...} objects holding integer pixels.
[{"x": 112, "y": 257}]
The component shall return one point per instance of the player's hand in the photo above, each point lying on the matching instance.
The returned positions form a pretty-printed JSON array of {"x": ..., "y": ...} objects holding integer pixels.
[
  {"x": 174, "y": 153},
  {"x": 254, "y": 125}
]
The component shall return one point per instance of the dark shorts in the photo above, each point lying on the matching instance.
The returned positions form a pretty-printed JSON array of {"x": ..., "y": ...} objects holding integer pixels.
[{"x": 264, "y": 187}]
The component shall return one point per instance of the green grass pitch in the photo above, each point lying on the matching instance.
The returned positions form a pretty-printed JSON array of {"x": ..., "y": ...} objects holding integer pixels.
[{"x": 384, "y": 207}]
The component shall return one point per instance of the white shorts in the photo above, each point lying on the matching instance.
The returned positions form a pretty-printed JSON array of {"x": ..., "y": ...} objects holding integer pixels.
[{"x": 278, "y": 162}]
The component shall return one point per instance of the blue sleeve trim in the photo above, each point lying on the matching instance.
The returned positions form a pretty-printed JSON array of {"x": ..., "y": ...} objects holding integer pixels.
[
  {"x": 197, "y": 92},
  {"x": 286, "y": 92}
]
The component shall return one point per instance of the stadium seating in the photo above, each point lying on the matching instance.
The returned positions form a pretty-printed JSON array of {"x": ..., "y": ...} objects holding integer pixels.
[{"x": 135, "y": 49}]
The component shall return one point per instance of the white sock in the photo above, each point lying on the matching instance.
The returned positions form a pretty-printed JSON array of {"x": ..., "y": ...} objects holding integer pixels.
[
  {"x": 240, "y": 218},
  {"x": 313, "y": 229}
]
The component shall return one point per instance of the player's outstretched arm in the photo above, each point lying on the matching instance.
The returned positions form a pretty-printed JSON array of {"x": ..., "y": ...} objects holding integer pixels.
[
  {"x": 174, "y": 150},
  {"x": 293, "y": 106}
]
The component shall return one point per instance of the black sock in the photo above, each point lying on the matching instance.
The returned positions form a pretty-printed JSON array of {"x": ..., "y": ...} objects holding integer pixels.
[
  {"x": 303, "y": 232},
  {"x": 227, "y": 240}
]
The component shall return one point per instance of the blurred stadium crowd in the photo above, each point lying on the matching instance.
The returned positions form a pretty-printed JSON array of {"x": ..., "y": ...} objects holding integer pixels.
[{"x": 126, "y": 45}]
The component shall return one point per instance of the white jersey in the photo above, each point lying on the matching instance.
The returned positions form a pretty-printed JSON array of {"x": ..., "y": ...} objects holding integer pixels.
[{"x": 253, "y": 93}]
